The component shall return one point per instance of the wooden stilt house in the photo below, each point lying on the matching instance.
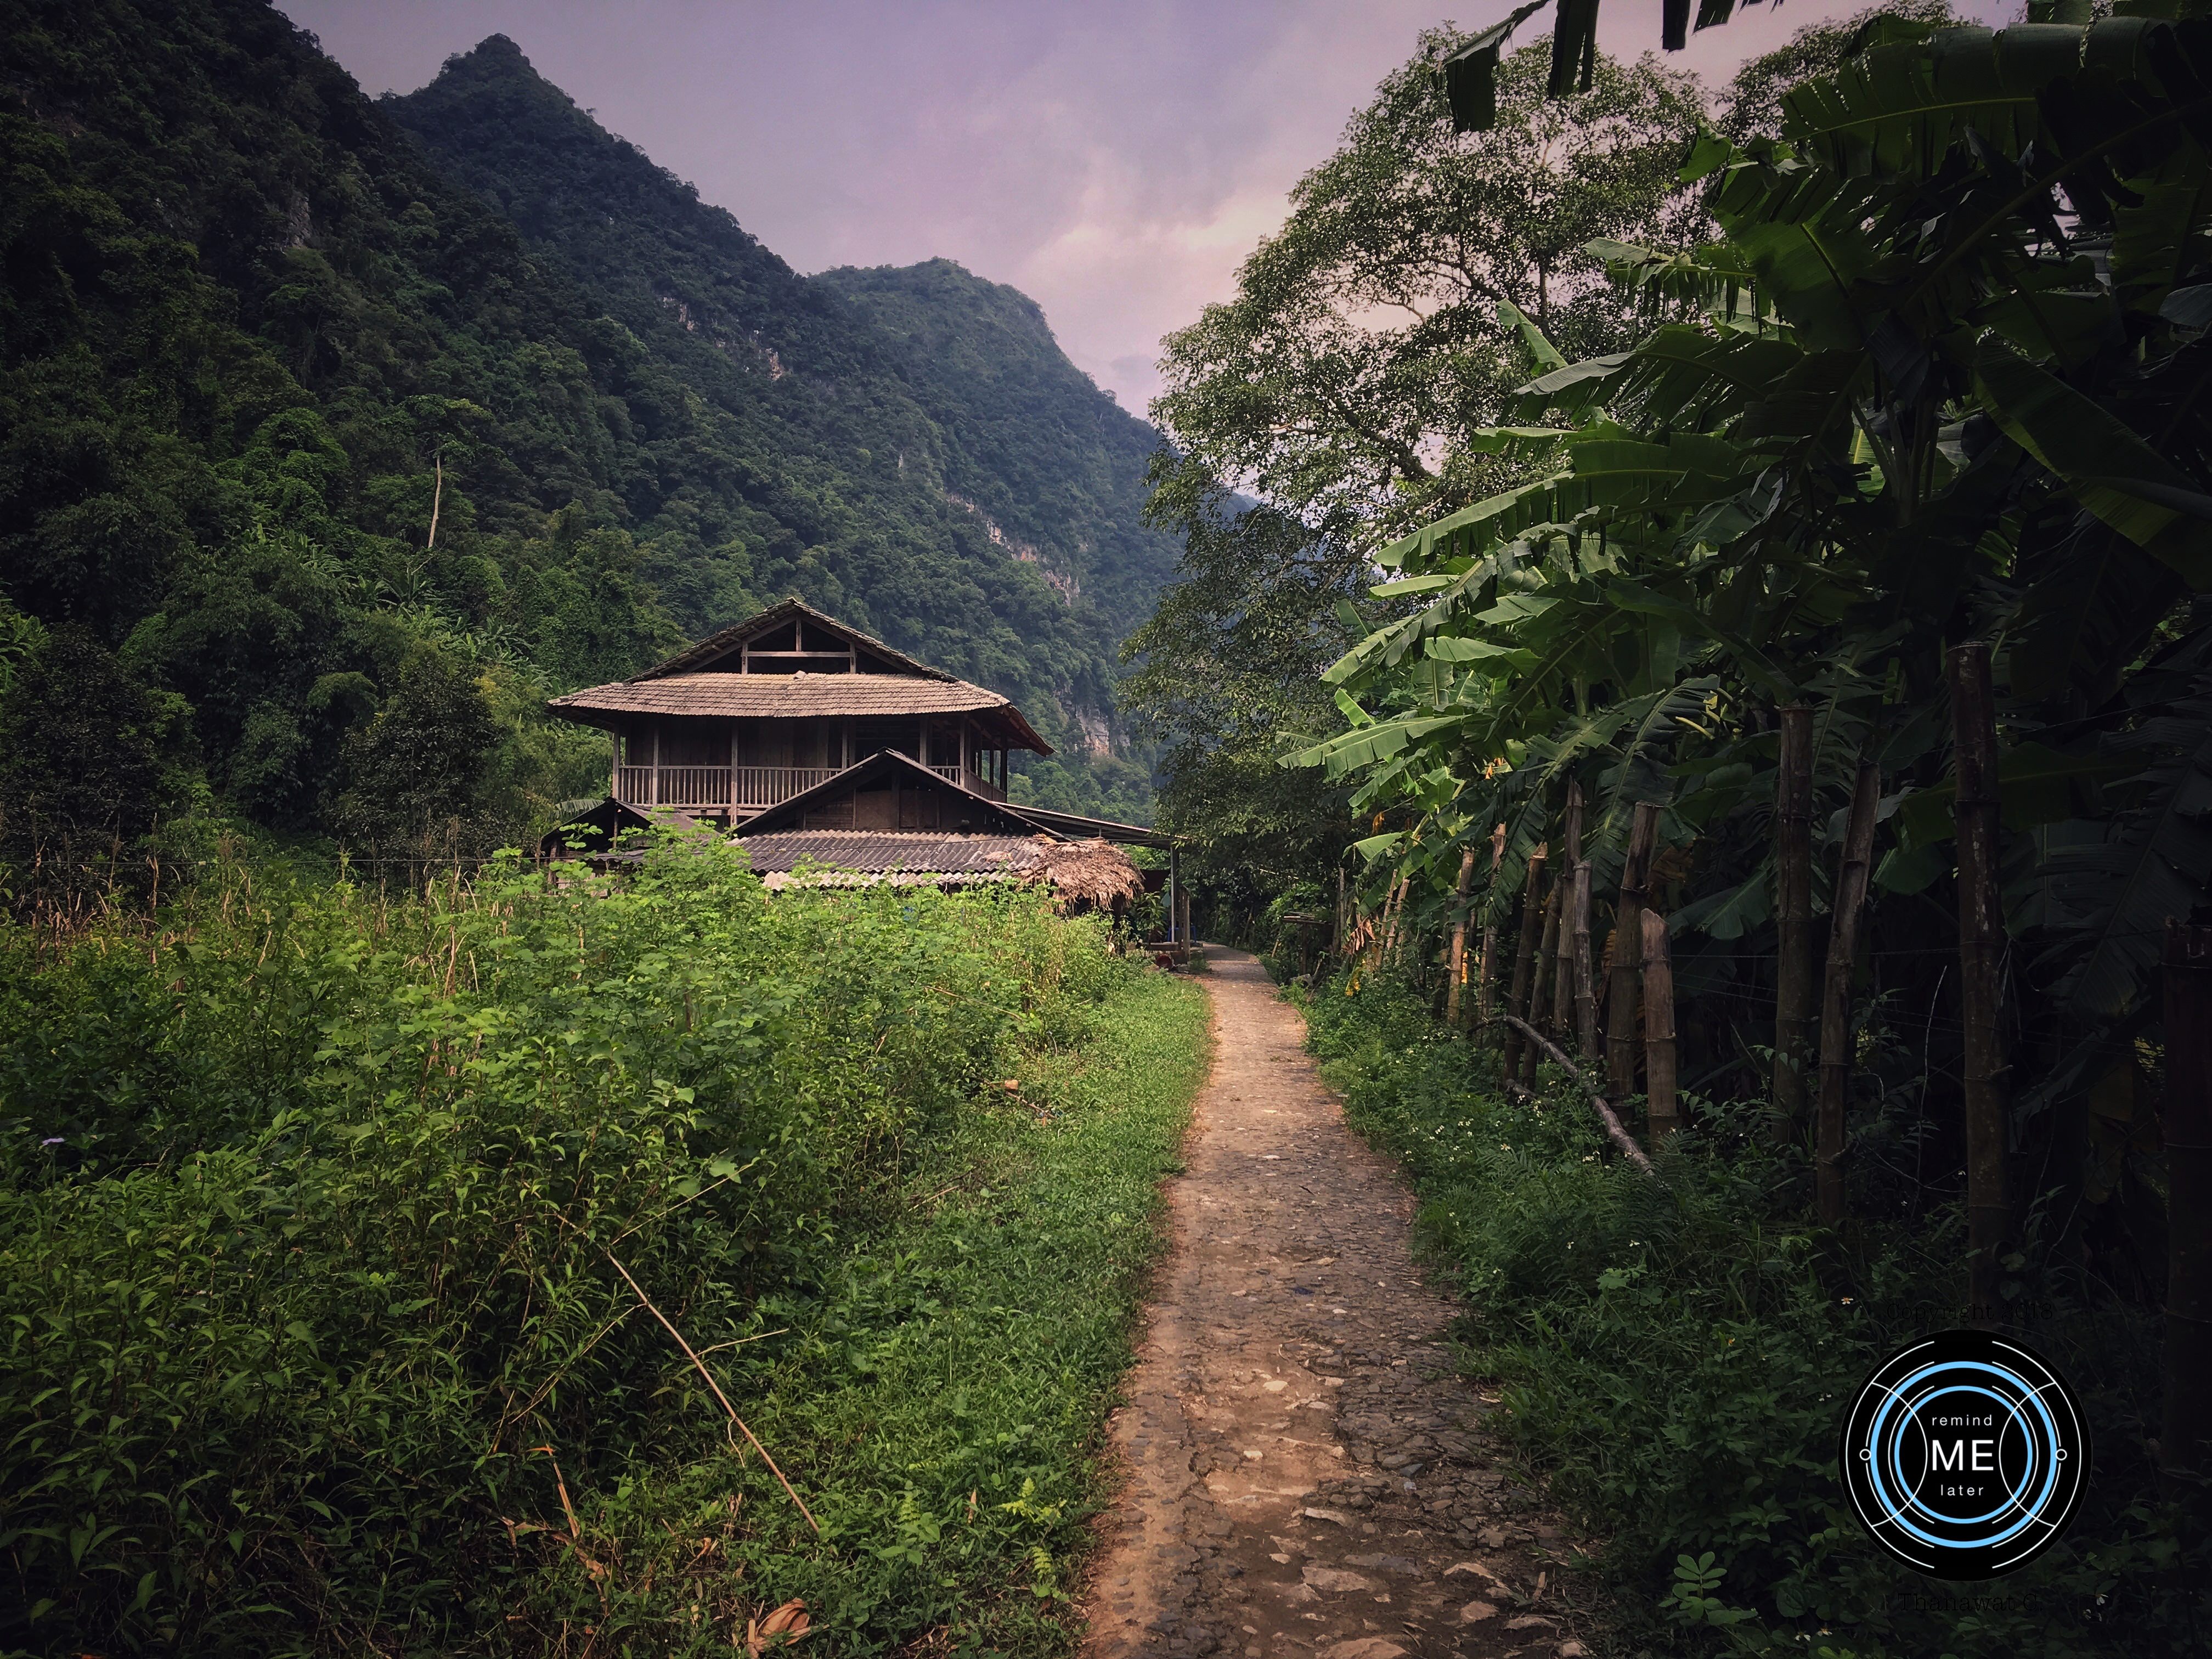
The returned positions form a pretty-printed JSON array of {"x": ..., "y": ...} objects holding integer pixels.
[
  {"x": 825, "y": 750},
  {"x": 773, "y": 706}
]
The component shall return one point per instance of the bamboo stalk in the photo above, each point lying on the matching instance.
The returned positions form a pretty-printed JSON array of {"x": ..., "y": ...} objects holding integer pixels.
[
  {"x": 1793, "y": 923},
  {"x": 1835, "y": 994},
  {"x": 1627, "y": 951},
  {"x": 1524, "y": 951},
  {"x": 1614, "y": 1127},
  {"x": 1487, "y": 964},
  {"x": 1585, "y": 982},
  {"x": 1662, "y": 1114},
  {"x": 1563, "y": 988},
  {"x": 700, "y": 1365},
  {"x": 2186, "y": 1443},
  {"x": 1981, "y": 955},
  {"x": 1547, "y": 957},
  {"x": 1458, "y": 938}
]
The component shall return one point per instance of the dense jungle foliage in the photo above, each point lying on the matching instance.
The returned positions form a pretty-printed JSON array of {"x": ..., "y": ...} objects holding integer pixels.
[
  {"x": 1905, "y": 353},
  {"x": 328, "y": 1215},
  {"x": 305, "y": 444}
]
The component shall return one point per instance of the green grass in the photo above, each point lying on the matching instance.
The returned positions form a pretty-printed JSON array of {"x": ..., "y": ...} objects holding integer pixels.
[
  {"x": 316, "y": 1204},
  {"x": 1672, "y": 1355},
  {"x": 942, "y": 1410}
]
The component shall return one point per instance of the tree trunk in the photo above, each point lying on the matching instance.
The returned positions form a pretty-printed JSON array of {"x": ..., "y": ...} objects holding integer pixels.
[
  {"x": 2185, "y": 1444},
  {"x": 1981, "y": 971},
  {"x": 1793, "y": 923},
  {"x": 1524, "y": 954},
  {"x": 1627, "y": 947},
  {"x": 1662, "y": 1115},
  {"x": 1585, "y": 984},
  {"x": 1836, "y": 994},
  {"x": 1547, "y": 964},
  {"x": 1452, "y": 997}
]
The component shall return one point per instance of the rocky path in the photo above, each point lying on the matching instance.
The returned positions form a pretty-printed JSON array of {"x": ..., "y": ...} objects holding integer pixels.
[{"x": 1304, "y": 1473}]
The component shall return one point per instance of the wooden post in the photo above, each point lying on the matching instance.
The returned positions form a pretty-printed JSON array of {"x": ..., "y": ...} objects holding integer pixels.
[
  {"x": 1524, "y": 953},
  {"x": 1547, "y": 964},
  {"x": 1793, "y": 924},
  {"x": 2185, "y": 1444},
  {"x": 1628, "y": 952},
  {"x": 1585, "y": 986},
  {"x": 1175, "y": 889},
  {"x": 1662, "y": 1116},
  {"x": 1452, "y": 997},
  {"x": 1981, "y": 963},
  {"x": 1835, "y": 994},
  {"x": 1343, "y": 922}
]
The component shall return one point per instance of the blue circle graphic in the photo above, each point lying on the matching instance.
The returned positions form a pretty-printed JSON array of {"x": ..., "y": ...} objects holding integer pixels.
[{"x": 1965, "y": 1454}]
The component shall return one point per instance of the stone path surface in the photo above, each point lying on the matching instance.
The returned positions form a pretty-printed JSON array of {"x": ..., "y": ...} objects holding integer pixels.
[{"x": 1303, "y": 1474}]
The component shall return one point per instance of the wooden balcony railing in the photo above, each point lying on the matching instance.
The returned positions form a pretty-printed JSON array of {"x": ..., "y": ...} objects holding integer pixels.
[{"x": 709, "y": 788}]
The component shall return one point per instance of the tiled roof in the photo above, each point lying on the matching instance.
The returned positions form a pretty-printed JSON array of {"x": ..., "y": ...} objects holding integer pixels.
[
  {"x": 878, "y": 852},
  {"x": 721, "y": 644},
  {"x": 890, "y": 763},
  {"x": 784, "y": 696}
]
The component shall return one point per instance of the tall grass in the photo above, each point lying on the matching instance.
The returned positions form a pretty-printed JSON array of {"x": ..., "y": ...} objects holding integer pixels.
[
  {"x": 313, "y": 1336},
  {"x": 1676, "y": 1356}
]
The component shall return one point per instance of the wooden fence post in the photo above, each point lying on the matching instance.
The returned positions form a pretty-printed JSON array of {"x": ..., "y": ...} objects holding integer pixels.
[
  {"x": 1981, "y": 964},
  {"x": 1524, "y": 951},
  {"x": 1627, "y": 950},
  {"x": 1835, "y": 994},
  {"x": 1547, "y": 957},
  {"x": 1458, "y": 938},
  {"x": 2185, "y": 1444},
  {"x": 1793, "y": 923},
  {"x": 1585, "y": 986},
  {"x": 1662, "y": 1115}
]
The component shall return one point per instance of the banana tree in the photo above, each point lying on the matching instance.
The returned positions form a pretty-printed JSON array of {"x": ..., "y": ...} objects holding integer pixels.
[{"x": 1941, "y": 377}]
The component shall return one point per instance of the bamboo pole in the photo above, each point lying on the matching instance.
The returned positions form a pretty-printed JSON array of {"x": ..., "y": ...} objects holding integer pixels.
[
  {"x": 1524, "y": 951},
  {"x": 1793, "y": 923},
  {"x": 1835, "y": 994},
  {"x": 1662, "y": 1114},
  {"x": 1563, "y": 988},
  {"x": 1614, "y": 1127},
  {"x": 1485, "y": 973},
  {"x": 1981, "y": 968},
  {"x": 1458, "y": 938},
  {"x": 1547, "y": 956},
  {"x": 2185, "y": 1444},
  {"x": 1627, "y": 951},
  {"x": 1585, "y": 982}
]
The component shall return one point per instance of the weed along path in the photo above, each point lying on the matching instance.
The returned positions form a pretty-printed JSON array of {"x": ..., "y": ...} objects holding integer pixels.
[{"x": 1302, "y": 1472}]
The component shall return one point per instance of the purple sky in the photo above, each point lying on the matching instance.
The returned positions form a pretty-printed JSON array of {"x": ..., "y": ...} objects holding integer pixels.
[{"x": 1115, "y": 161}]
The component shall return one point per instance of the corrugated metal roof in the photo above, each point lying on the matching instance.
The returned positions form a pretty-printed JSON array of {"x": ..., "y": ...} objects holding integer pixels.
[
  {"x": 784, "y": 696},
  {"x": 878, "y": 852}
]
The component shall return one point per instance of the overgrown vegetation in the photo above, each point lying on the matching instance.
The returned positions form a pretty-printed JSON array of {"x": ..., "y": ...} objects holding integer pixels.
[
  {"x": 315, "y": 1207},
  {"x": 1672, "y": 1353}
]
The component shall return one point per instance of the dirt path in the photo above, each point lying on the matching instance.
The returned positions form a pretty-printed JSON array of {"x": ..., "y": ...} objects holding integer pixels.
[{"x": 1304, "y": 1473}]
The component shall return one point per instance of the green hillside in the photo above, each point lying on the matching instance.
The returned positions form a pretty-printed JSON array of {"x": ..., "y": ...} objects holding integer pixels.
[{"x": 254, "y": 339}]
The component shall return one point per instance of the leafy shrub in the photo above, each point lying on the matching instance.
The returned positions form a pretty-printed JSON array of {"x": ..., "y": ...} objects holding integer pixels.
[
  {"x": 1676, "y": 1354},
  {"x": 311, "y": 1204}
]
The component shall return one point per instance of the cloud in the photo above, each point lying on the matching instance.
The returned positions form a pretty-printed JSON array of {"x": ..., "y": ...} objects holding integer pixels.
[{"x": 1115, "y": 162}]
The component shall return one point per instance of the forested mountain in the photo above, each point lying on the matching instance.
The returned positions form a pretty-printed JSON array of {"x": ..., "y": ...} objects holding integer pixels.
[{"x": 321, "y": 433}]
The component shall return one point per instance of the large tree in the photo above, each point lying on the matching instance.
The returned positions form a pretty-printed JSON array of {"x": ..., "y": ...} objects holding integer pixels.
[{"x": 1367, "y": 343}]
